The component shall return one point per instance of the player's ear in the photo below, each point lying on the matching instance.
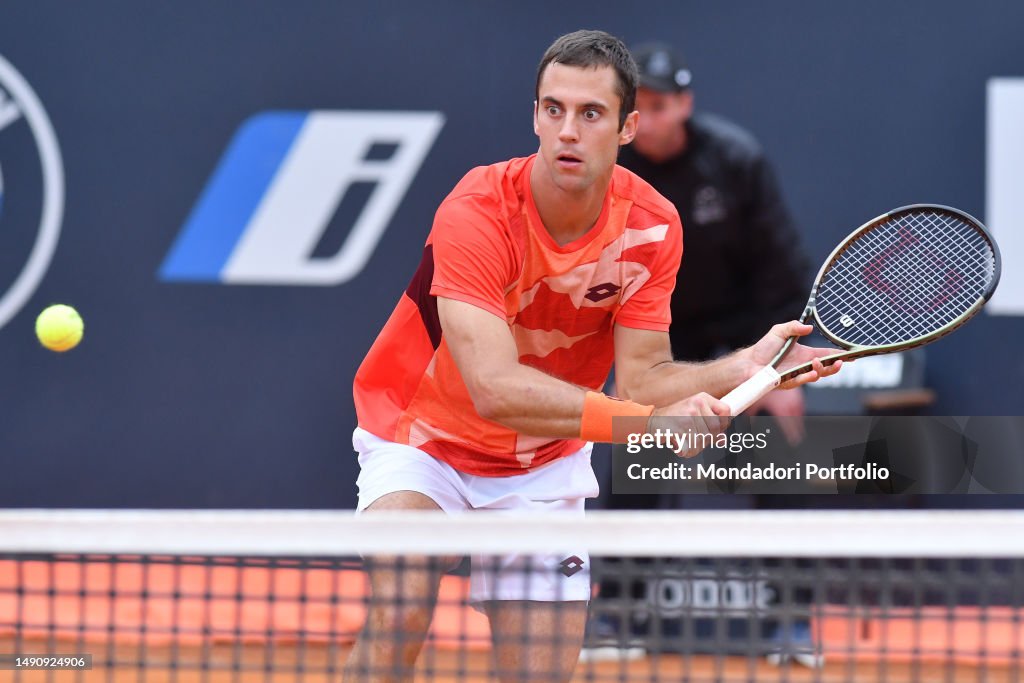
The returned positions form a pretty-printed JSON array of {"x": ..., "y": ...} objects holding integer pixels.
[
  {"x": 628, "y": 131},
  {"x": 536, "y": 128}
]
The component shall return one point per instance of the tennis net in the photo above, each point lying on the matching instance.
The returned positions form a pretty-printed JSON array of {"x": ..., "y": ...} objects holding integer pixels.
[{"x": 224, "y": 596}]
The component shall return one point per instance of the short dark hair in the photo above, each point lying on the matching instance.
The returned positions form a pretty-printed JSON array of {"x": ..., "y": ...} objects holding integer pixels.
[{"x": 592, "y": 49}]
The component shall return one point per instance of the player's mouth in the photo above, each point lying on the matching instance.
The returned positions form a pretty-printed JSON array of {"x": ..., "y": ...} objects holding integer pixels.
[{"x": 568, "y": 161}]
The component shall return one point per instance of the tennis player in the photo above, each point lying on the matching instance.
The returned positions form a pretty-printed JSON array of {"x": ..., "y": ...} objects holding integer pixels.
[{"x": 482, "y": 392}]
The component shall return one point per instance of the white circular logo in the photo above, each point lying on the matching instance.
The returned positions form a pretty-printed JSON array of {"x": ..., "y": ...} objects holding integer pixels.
[{"x": 20, "y": 108}]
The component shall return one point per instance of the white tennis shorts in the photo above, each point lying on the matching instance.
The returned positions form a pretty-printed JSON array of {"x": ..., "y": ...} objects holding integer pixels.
[{"x": 562, "y": 486}]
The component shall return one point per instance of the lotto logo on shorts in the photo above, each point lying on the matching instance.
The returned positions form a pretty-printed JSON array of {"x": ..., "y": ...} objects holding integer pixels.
[
  {"x": 285, "y": 175},
  {"x": 570, "y": 565}
]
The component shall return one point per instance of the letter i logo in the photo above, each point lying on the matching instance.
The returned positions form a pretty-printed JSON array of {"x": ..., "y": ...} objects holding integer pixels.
[{"x": 280, "y": 182}]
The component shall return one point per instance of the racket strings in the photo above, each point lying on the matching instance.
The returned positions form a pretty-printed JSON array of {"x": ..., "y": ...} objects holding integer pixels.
[
  {"x": 916, "y": 290},
  {"x": 905, "y": 278}
]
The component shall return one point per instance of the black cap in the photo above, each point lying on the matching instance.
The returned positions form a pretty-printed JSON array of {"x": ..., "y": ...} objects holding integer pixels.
[{"x": 661, "y": 68}]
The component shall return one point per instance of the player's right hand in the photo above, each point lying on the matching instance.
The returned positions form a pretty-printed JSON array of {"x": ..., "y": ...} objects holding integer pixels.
[{"x": 700, "y": 414}]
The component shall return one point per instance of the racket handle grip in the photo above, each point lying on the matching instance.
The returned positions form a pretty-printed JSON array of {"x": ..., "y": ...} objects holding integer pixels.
[{"x": 741, "y": 398}]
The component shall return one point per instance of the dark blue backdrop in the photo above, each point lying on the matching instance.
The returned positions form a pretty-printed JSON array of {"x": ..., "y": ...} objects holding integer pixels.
[{"x": 211, "y": 394}]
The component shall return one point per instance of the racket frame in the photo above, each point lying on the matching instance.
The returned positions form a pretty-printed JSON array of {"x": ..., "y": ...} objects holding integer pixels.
[{"x": 768, "y": 378}]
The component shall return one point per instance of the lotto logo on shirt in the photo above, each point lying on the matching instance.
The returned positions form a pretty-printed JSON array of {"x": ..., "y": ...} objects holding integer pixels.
[{"x": 264, "y": 212}]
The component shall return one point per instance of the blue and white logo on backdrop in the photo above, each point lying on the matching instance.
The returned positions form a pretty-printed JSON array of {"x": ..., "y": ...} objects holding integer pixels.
[
  {"x": 25, "y": 128},
  {"x": 281, "y": 181}
]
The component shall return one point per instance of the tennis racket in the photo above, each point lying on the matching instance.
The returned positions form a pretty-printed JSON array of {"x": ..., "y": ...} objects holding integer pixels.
[{"x": 901, "y": 280}]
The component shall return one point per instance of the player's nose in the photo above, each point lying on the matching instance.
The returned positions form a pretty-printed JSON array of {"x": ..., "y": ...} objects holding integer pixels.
[{"x": 568, "y": 132}]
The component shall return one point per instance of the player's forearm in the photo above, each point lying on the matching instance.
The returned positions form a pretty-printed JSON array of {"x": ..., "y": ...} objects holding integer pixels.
[
  {"x": 530, "y": 402},
  {"x": 667, "y": 383},
  {"x": 536, "y": 404}
]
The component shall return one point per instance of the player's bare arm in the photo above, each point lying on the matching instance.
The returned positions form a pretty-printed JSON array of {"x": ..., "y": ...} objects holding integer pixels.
[
  {"x": 504, "y": 390},
  {"x": 646, "y": 373},
  {"x": 524, "y": 398}
]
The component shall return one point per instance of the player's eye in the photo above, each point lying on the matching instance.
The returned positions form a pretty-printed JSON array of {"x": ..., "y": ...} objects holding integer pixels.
[
  {"x": 591, "y": 115},
  {"x": 553, "y": 110}
]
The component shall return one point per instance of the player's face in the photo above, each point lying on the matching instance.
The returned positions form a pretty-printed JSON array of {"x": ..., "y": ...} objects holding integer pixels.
[
  {"x": 577, "y": 121},
  {"x": 661, "y": 118}
]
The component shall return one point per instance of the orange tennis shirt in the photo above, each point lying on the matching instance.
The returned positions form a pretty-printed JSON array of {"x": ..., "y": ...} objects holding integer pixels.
[{"x": 489, "y": 248}]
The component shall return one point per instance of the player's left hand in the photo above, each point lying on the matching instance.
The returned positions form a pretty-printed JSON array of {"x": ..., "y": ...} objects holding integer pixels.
[{"x": 762, "y": 353}]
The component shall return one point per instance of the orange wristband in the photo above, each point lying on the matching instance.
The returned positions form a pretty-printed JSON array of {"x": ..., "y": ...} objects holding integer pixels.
[{"x": 598, "y": 411}]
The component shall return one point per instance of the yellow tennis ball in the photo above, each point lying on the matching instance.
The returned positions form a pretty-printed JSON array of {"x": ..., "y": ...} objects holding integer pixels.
[{"x": 59, "y": 328}]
